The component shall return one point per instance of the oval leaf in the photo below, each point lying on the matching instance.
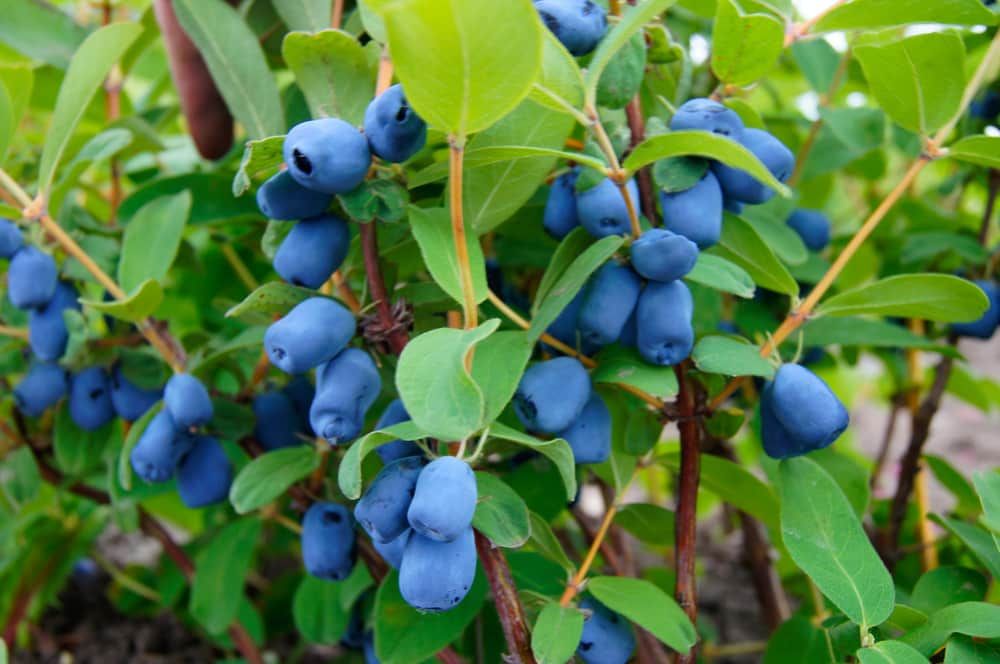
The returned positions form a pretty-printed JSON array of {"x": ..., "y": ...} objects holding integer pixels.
[
  {"x": 333, "y": 73},
  {"x": 268, "y": 476},
  {"x": 647, "y": 606},
  {"x": 501, "y": 514},
  {"x": 937, "y": 297},
  {"x": 152, "y": 239},
  {"x": 556, "y": 634}
]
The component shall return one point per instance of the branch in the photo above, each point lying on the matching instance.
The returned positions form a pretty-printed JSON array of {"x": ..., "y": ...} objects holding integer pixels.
[
  {"x": 644, "y": 178},
  {"x": 686, "y": 523},
  {"x": 508, "y": 604}
]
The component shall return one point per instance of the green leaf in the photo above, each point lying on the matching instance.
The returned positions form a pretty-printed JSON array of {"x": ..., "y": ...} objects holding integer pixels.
[
  {"x": 332, "y": 71},
  {"x": 556, "y": 450},
  {"x": 918, "y": 80},
  {"x": 571, "y": 281},
  {"x": 379, "y": 199},
  {"x": 872, "y": 14},
  {"x": 432, "y": 230},
  {"x": 556, "y": 634},
  {"x": 851, "y": 476},
  {"x": 545, "y": 542},
  {"x": 308, "y": 15},
  {"x": 139, "y": 304},
  {"x": 735, "y": 485},
  {"x": 647, "y": 606},
  {"x": 943, "y": 586},
  {"x": 501, "y": 514},
  {"x": 349, "y": 472},
  {"x": 979, "y": 542},
  {"x": 560, "y": 82},
  {"x": 616, "y": 39},
  {"x": 317, "y": 610},
  {"x": 8, "y": 123},
  {"x": 730, "y": 357},
  {"x": 651, "y": 524},
  {"x": 266, "y": 478},
  {"x": 211, "y": 195},
  {"x": 852, "y": 331},
  {"x": 963, "y": 650},
  {"x": 701, "y": 144},
  {"x": 975, "y": 619},
  {"x": 825, "y": 538},
  {"x": 464, "y": 63},
  {"x": 131, "y": 439},
  {"x": 40, "y": 31},
  {"x": 405, "y": 636},
  {"x": 260, "y": 157},
  {"x": 890, "y": 652},
  {"x": 955, "y": 482},
  {"x": 574, "y": 244},
  {"x": 78, "y": 451},
  {"x": 798, "y": 640},
  {"x": 741, "y": 244},
  {"x": 87, "y": 70},
  {"x": 722, "y": 275},
  {"x": 220, "y": 569},
  {"x": 622, "y": 78},
  {"x": 152, "y": 239},
  {"x": 988, "y": 486},
  {"x": 497, "y": 366},
  {"x": 237, "y": 63},
  {"x": 441, "y": 397},
  {"x": 624, "y": 366},
  {"x": 268, "y": 300},
  {"x": 497, "y": 154},
  {"x": 980, "y": 150},
  {"x": 744, "y": 46},
  {"x": 936, "y": 297}
]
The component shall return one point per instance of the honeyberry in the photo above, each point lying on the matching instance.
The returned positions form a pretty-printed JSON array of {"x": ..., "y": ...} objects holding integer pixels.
[
  {"x": 812, "y": 226},
  {"x": 160, "y": 448},
  {"x": 436, "y": 576},
  {"x": 664, "y": 334},
  {"x": 42, "y": 387},
  {"x": 560, "y": 215},
  {"x": 395, "y": 133},
  {"x": 740, "y": 185},
  {"x": 381, "y": 512},
  {"x": 444, "y": 500},
  {"x": 799, "y": 413},
  {"x": 346, "y": 387},
  {"x": 327, "y": 155},
  {"x": 187, "y": 400},
  {"x": 284, "y": 199},
  {"x": 602, "y": 209},
  {"x": 607, "y": 638},
  {"x": 578, "y": 24},
  {"x": 313, "y": 249},
  {"x": 313, "y": 332},
  {"x": 660, "y": 255},
  {"x": 276, "y": 421},
  {"x": 328, "y": 544},
  {"x": 47, "y": 333},
  {"x": 90, "y": 404},
  {"x": 395, "y": 413},
  {"x": 695, "y": 213},
  {"x": 392, "y": 552},
  {"x": 31, "y": 278},
  {"x": 552, "y": 394},
  {"x": 10, "y": 238},
  {"x": 590, "y": 434},
  {"x": 131, "y": 401},
  {"x": 204, "y": 474},
  {"x": 986, "y": 326},
  {"x": 609, "y": 300},
  {"x": 707, "y": 115}
]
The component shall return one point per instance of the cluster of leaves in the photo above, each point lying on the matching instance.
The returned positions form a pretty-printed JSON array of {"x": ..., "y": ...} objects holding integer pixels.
[{"x": 186, "y": 246}]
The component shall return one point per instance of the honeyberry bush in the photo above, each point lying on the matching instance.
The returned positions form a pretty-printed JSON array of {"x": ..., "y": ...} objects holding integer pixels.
[{"x": 360, "y": 309}]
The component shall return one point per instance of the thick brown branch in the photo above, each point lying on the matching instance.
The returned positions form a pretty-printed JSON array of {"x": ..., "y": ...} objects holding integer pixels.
[
  {"x": 686, "y": 525},
  {"x": 395, "y": 335},
  {"x": 644, "y": 178},
  {"x": 508, "y": 604}
]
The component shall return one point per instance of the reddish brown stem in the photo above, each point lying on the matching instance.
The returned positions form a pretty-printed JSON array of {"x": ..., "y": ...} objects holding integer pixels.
[
  {"x": 685, "y": 528},
  {"x": 993, "y": 187},
  {"x": 396, "y": 337},
  {"x": 508, "y": 604},
  {"x": 644, "y": 178}
]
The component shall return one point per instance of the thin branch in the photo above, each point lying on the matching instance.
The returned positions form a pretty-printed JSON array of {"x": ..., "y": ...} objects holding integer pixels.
[
  {"x": 243, "y": 273},
  {"x": 338, "y": 14},
  {"x": 395, "y": 334},
  {"x": 887, "y": 436},
  {"x": 644, "y": 178},
  {"x": 456, "y": 153},
  {"x": 508, "y": 604},
  {"x": 686, "y": 523}
]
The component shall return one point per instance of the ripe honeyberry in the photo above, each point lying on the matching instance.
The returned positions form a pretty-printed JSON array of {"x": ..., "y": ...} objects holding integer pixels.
[
  {"x": 552, "y": 394},
  {"x": 187, "y": 400},
  {"x": 436, "y": 576},
  {"x": 695, "y": 213},
  {"x": 812, "y": 226},
  {"x": 328, "y": 545},
  {"x": 41, "y": 388},
  {"x": 986, "y": 326},
  {"x": 742, "y": 186},
  {"x": 10, "y": 238},
  {"x": 392, "y": 552},
  {"x": 382, "y": 509},
  {"x": 607, "y": 638},
  {"x": 395, "y": 133},
  {"x": 395, "y": 413},
  {"x": 590, "y": 434},
  {"x": 560, "y": 215},
  {"x": 799, "y": 413},
  {"x": 664, "y": 334},
  {"x": 660, "y": 255},
  {"x": 284, "y": 199},
  {"x": 276, "y": 422},
  {"x": 313, "y": 249},
  {"x": 578, "y": 24},
  {"x": 346, "y": 387},
  {"x": 47, "y": 331},
  {"x": 90, "y": 404},
  {"x": 131, "y": 401},
  {"x": 204, "y": 474},
  {"x": 160, "y": 448},
  {"x": 444, "y": 500},
  {"x": 31, "y": 278},
  {"x": 313, "y": 332},
  {"x": 369, "y": 648},
  {"x": 608, "y": 302},
  {"x": 602, "y": 210},
  {"x": 327, "y": 155},
  {"x": 707, "y": 115}
]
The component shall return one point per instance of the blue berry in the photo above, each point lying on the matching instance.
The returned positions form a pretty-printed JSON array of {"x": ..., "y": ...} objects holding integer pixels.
[
  {"x": 282, "y": 198},
  {"x": 590, "y": 434},
  {"x": 327, "y": 155},
  {"x": 578, "y": 24},
  {"x": 602, "y": 210},
  {"x": 31, "y": 278},
  {"x": 395, "y": 133},
  {"x": 41, "y": 388},
  {"x": 90, "y": 404},
  {"x": 609, "y": 300},
  {"x": 607, "y": 638},
  {"x": 707, "y": 115},
  {"x": 131, "y": 401},
  {"x": 799, "y": 413},
  {"x": 560, "y": 207},
  {"x": 663, "y": 320},
  {"x": 552, "y": 394},
  {"x": 381, "y": 512},
  {"x": 392, "y": 552},
  {"x": 660, "y": 255},
  {"x": 436, "y": 576},
  {"x": 204, "y": 474},
  {"x": 740, "y": 185},
  {"x": 10, "y": 238},
  {"x": 346, "y": 387},
  {"x": 47, "y": 331},
  {"x": 986, "y": 326},
  {"x": 328, "y": 543},
  {"x": 312, "y": 333},
  {"x": 313, "y": 249},
  {"x": 395, "y": 413},
  {"x": 160, "y": 448},
  {"x": 695, "y": 213},
  {"x": 276, "y": 422},
  {"x": 445, "y": 499},
  {"x": 812, "y": 226},
  {"x": 188, "y": 401}
]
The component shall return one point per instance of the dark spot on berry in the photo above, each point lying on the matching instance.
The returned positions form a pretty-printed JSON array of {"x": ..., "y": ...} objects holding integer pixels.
[
  {"x": 589, "y": 8},
  {"x": 403, "y": 113},
  {"x": 96, "y": 393},
  {"x": 302, "y": 162},
  {"x": 331, "y": 516},
  {"x": 608, "y": 222},
  {"x": 279, "y": 353},
  {"x": 297, "y": 282},
  {"x": 551, "y": 22},
  {"x": 527, "y": 406},
  {"x": 586, "y": 645}
]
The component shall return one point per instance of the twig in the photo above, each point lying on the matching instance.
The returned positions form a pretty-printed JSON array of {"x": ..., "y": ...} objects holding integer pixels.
[
  {"x": 346, "y": 293},
  {"x": 686, "y": 523},
  {"x": 338, "y": 14},
  {"x": 890, "y": 430},
  {"x": 644, "y": 178},
  {"x": 243, "y": 273},
  {"x": 456, "y": 154},
  {"x": 802, "y": 29},
  {"x": 610, "y": 555},
  {"x": 13, "y": 332},
  {"x": 508, "y": 604},
  {"x": 395, "y": 335},
  {"x": 810, "y": 142}
]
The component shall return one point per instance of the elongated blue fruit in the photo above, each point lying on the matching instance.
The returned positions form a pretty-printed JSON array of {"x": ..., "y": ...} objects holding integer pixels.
[
  {"x": 346, "y": 387},
  {"x": 578, "y": 24},
  {"x": 41, "y": 388},
  {"x": 986, "y": 326},
  {"x": 327, "y": 155},
  {"x": 695, "y": 213},
  {"x": 47, "y": 331},
  {"x": 610, "y": 298},
  {"x": 660, "y": 255},
  {"x": 204, "y": 474},
  {"x": 392, "y": 552},
  {"x": 382, "y": 510},
  {"x": 436, "y": 576},
  {"x": 160, "y": 448},
  {"x": 369, "y": 648},
  {"x": 707, "y": 115},
  {"x": 276, "y": 421},
  {"x": 560, "y": 215},
  {"x": 131, "y": 401},
  {"x": 552, "y": 394},
  {"x": 799, "y": 413},
  {"x": 395, "y": 133},
  {"x": 395, "y": 413},
  {"x": 812, "y": 226},
  {"x": 664, "y": 333},
  {"x": 313, "y": 249},
  {"x": 328, "y": 542},
  {"x": 445, "y": 499},
  {"x": 312, "y": 333},
  {"x": 188, "y": 401},
  {"x": 602, "y": 210},
  {"x": 740, "y": 185},
  {"x": 90, "y": 404},
  {"x": 10, "y": 238},
  {"x": 590, "y": 434},
  {"x": 31, "y": 278},
  {"x": 301, "y": 391},
  {"x": 607, "y": 637},
  {"x": 283, "y": 199}
]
